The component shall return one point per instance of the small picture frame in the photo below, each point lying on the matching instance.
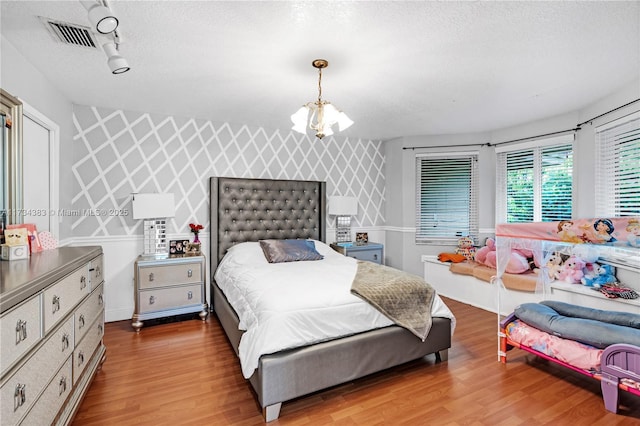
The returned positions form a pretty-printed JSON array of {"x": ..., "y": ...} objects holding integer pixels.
[
  {"x": 362, "y": 238},
  {"x": 193, "y": 249},
  {"x": 178, "y": 246}
]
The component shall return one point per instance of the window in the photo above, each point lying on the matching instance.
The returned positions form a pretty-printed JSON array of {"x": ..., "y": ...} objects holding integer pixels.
[
  {"x": 618, "y": 167},
  {"x": 535, "y": 181},
  {"x": 446, "y": 197}
]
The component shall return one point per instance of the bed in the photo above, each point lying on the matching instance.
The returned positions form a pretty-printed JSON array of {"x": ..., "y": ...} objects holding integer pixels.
[
  {"x": 581, "y": 339},
  {"x": 576, "y": 333},
  {"x": 247, "y": 210}
]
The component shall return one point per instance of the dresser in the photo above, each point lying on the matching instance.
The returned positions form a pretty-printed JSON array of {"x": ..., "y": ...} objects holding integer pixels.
[
  {"x": 168, "y": 286},
  {"x": 51, "y": 330},
  {"x": 372, "y": 252}
]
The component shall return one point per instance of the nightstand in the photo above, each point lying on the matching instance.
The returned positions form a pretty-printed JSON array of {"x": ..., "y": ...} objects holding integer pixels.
[
  {"x": 373, "y": 252},
  {"x": 169, "y": 286}
]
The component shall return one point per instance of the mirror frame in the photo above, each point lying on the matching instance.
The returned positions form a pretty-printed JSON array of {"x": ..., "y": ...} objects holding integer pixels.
[{"x": 13, "y": 174}]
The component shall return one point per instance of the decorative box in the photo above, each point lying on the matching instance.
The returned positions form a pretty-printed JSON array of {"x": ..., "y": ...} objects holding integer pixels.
[{"x": 14, "y": 252}]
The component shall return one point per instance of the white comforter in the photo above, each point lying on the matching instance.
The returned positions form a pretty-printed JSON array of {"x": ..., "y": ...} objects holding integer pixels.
[{"x": 287, "y": 305}]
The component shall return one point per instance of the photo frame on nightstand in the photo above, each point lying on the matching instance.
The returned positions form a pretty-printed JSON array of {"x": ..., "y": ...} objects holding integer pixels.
[
  {"x": 178, "y": 246},
  {"x": 362, "y": 238}
]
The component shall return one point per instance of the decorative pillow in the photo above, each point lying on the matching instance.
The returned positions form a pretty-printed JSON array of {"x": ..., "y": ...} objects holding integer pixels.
[
  {"x": 278, "y": 251},
  {"x": 626, "y": 319}
]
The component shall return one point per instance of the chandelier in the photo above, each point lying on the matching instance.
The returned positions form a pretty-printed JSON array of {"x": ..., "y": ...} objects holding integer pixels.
[{"x": 320, "y": 115}]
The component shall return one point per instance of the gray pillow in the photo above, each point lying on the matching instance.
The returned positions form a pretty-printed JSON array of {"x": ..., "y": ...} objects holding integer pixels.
[{"x": 278, "y": 251}]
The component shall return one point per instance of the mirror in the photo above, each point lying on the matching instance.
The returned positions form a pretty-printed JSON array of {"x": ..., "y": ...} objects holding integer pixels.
[{"x": 10, "y": 160}]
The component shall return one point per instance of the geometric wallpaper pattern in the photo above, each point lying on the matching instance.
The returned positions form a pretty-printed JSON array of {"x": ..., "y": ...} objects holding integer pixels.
[{"x": 117, "y": 153}]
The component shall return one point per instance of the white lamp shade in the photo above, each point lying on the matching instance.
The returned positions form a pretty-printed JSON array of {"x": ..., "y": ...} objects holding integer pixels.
[
  {"x": 344, "y": 122},
  {"x": 299, "y": 119},
  {"x": 343, "y": 206},
  {"x": 150, "y": 206}
]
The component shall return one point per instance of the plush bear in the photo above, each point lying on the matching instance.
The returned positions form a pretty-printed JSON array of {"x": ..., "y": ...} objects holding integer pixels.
[
  {"x": 606, "y": 275},
  {"x": 466, "y": 248},
  {"x": 554, "y": 265},
  {"x": 571, "y": 270}
]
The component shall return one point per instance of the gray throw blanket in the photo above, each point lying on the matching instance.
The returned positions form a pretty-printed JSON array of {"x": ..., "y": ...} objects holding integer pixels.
[{"x": 404, "y": 298}]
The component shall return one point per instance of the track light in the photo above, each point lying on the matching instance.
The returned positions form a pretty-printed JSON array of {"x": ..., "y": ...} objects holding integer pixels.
[
  {"x": 117, "y": 63},
  {"x": 100, "y": 16}
]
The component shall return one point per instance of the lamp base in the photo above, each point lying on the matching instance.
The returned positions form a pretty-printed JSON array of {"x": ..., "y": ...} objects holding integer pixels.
[
  {"x": 343, "y": 229},
  {"x": 155, "y": 238}
]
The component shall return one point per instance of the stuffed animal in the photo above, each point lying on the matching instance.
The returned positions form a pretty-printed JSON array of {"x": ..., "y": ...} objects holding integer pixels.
[
  {"x": 517, "y": 264},
  {"x": 606, "y": 275},
  {"x": 487, "y": 254},
  {"x": 554, "y": 265},
  {"x": 586, "y": 252},
  {"x": 590, "y": 270},
  {"x": 466, "y": 248},
  {"x": 571, "y": 270}
]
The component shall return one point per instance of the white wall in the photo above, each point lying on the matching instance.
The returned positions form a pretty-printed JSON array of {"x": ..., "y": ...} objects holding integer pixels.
[
  {"x": 401, "y": 173},
  {"x": 22, "y": 80}
]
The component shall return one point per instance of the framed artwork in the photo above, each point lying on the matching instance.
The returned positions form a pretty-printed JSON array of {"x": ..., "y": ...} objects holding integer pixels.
[
  {"x": 178, "y": 246},
  {"x": 193, "y": 248},
  {"x": 362, "y": 238}
]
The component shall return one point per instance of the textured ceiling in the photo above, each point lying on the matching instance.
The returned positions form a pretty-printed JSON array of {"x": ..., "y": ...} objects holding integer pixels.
[{"x": 396, "y": 68}]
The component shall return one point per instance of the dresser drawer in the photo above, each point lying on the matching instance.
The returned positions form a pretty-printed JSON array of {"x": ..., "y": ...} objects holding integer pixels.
[
  {"x": 174, "y": 297},
  {"x": 62, "y": 297},
  {"x": 49, "y": 403},
  {"x": 169, "y": 275},
  {"x": 96, "y": 272},
  {"x": 88, "y": 311},
  {"x": 87, "y": 346},
  {"x": 19, "y": 331},
  {"x": 19, "y": 392}
]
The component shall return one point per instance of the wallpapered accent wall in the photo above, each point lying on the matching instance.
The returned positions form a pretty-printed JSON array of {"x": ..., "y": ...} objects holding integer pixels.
[{"x": 117, "y": 153}]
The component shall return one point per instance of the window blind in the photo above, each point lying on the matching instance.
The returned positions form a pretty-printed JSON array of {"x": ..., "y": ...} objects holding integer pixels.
[
  {"x": 446, "y": 198},
  {"x": 618, "y": 167},
  {"x": 535, "y": 183}
]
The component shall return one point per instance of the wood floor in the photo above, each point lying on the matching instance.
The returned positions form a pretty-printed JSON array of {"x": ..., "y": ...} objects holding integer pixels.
[{"x": 185, "y": 373}]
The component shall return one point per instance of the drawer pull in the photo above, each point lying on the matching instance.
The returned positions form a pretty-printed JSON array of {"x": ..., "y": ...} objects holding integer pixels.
[
  {"x": 98, "y": 271},
  {"x": 100, "y": 299},
  {"x": 190, "y": 295},
  {"x": 151, "y": 277},
  {"x": 21, "y": 331},
  {"x": 375, "y": 256},
  {"x": 55, "y": 304},
  {"x": 65, "y": 342},
  {"x": 152, "y": 300},
  {"x": 100, "y": 327},
  {"x": 62, "y": 385},
  {"x": 83, "y": 282},
  {"x": 81, "y": 321},
  {"x": 19, "y": 396},
  {"x": 189, "y": 273},
  {"x": 80, "y": 358}
]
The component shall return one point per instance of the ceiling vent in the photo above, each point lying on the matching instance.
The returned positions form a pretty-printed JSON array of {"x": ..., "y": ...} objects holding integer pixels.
[{"x": 72, "y": 34}]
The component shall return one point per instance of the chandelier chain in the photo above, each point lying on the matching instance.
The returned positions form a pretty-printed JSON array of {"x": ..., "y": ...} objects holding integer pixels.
[{"x": 319, "y": 85}]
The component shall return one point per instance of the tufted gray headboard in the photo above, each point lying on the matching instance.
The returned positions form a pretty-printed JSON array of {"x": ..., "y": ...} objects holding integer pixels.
[{"x": 254, "y": 209}]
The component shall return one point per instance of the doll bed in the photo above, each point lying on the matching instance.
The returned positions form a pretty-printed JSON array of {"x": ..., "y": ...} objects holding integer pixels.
[
  {"x": 252, "y": 209},
  {"x": 616, "y": 365}
]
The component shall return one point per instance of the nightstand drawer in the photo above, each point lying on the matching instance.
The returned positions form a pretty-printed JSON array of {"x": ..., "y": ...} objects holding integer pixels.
[
  {"x": 369, "y": 255},
  {"x": 169, "y": 275},
  {"x": 175, "y": 297}
]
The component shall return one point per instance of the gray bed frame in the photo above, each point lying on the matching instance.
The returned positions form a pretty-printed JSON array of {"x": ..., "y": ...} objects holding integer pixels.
[{"x": 252, "y": 209}]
